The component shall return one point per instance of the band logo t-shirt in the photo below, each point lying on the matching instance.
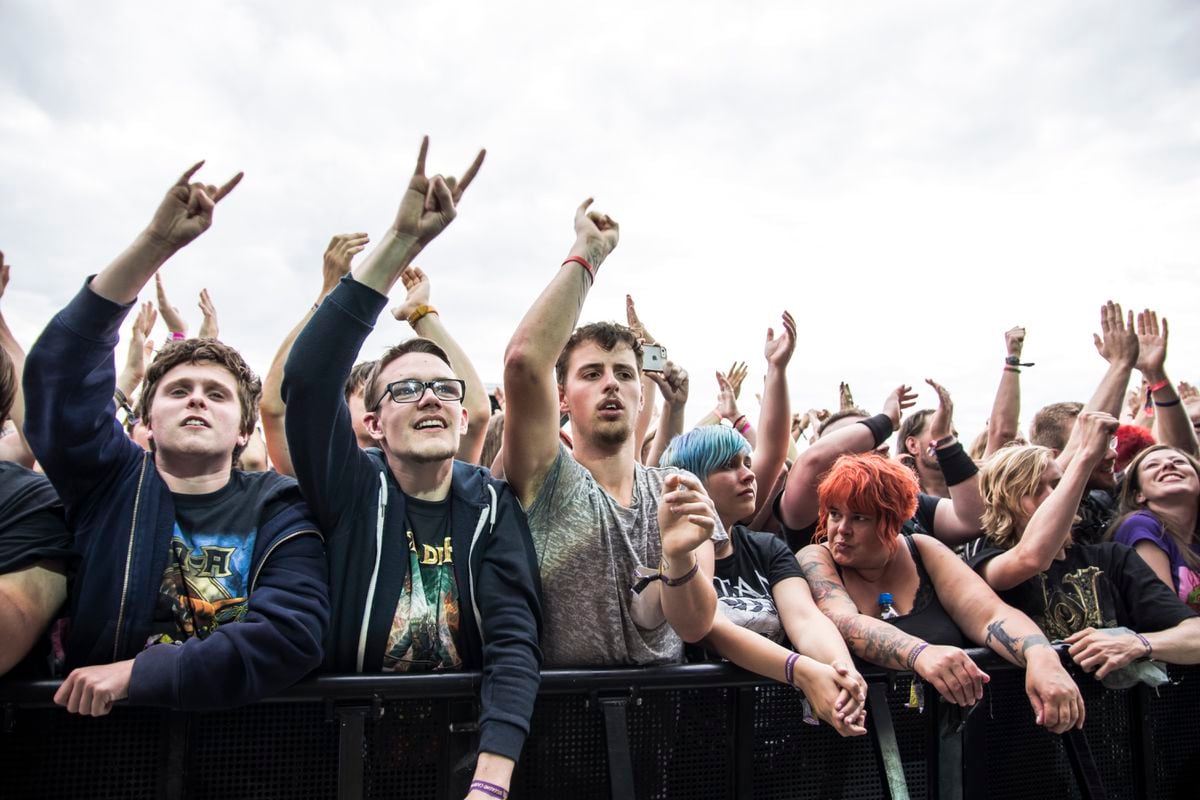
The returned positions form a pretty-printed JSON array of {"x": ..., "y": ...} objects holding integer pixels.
[{"x": 425, "y": 625}]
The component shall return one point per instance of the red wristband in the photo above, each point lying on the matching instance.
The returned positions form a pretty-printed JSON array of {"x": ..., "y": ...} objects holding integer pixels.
[
  {"x": 1154, "y": 387},
  {"x": 583, "y": 262}
]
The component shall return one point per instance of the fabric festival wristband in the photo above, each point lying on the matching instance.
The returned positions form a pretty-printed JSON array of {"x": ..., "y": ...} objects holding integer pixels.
[
  {"x": 177, "y": 335},
  {"x": 789, "y": 669},
  {"x": 880, "y": 427},
  {"x": 1146, "y": 643},
  {"x": 583, "y": 262},
  {"x": 911, "y": 663},
  {"x": 956, "y": 465},
  {"x": 490, "y": 789},
  {"x": 1154, "y": 387}
]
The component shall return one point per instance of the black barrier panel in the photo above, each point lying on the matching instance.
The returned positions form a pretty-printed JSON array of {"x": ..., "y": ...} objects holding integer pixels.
[{"x": 701, "y": 731}]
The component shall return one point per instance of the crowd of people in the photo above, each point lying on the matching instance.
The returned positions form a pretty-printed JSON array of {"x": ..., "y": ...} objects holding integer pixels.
[{"x": 158, "y": 544}]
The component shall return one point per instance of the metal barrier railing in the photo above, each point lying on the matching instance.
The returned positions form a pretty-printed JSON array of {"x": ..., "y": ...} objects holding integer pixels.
[{"x": 698, "y": 730}]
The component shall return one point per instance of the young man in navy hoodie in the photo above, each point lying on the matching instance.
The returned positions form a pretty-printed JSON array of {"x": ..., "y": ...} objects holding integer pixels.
[
  {"x": 199, "y": 586},
  {"x": 431, "y": 562}
]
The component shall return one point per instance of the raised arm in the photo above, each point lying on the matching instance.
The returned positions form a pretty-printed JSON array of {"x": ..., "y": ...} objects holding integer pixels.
[
  {"x": 13, "y": 448},
  {"x": 141, "y": 349},
  {"x": 320, "y": 436},
  {"x": 989, "y": 621},
  {"x": 798, "y": 506},
  {"x": 531, "y": 392},
  {"x": 172, "y": 318},
  {"x": 426, "y": 321},
  {"x": 1118, "y": 345},
  {"x": 1171, "y": 422},
  {"x": 673, "y": 383},
  {"x": 335, "y": 265},
  {"x": 71, "y": 379},
  {"x": 1003, "y": 424},
  {"x": 951, "y": 671},
  {"x": 958, "y": 519},
  {"x": 727, "y": 408},
  {"x": 1049, "y": 529},
  {"x": 775, "y": 417},
  {"x": 646, "y": 413},
  {"x": 209, "y": 328}
]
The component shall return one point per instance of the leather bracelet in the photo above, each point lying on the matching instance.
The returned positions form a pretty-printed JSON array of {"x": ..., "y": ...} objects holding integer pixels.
[
  {"x": 1015, "y": 361},
  {"x": 682, "y": 579},
  {"x": 421, "y": 311}
]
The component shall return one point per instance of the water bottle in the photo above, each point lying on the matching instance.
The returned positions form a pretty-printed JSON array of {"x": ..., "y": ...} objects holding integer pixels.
[{"x": 886, "y": 609}]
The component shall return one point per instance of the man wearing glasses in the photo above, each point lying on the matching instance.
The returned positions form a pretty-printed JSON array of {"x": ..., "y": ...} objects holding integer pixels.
[{"x": 431, "y": 564}]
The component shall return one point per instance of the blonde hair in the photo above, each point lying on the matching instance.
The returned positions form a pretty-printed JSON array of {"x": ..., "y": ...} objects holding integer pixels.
[{"x": 1008, "y": 475}]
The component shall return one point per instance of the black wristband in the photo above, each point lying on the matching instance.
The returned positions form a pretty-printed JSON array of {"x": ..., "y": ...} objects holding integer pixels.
[
  {"x": 880, "y": 427},
  {"x": 956, "y": 465}
]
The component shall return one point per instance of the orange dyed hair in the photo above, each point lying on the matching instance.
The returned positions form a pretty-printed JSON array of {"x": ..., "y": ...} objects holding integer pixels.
[{"x": 869, "y": 484}]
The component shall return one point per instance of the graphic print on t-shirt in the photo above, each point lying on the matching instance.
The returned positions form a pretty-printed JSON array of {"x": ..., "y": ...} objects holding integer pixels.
[
  {"x": 426, "y": 621},
  {"x": 747, "y": 605},
  {"x": 204, "y": 585},
  {"x": 1073, "y": 604}
]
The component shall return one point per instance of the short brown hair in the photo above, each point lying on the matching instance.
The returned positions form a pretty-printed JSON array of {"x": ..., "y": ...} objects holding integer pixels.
[
  {"x": 357, "y": 379},
  {"x": 8, "y": 384},
  {"x": 605, "y": 334},
  {"x": 1049, "y": 427},
  {"x": 373, "y": 394},
  {"x": 912, "y": 425},
  {"x": 201, "y": 351}
]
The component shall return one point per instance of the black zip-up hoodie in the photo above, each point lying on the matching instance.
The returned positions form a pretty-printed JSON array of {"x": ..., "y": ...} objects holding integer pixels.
[{"x": 361, "y": 509}]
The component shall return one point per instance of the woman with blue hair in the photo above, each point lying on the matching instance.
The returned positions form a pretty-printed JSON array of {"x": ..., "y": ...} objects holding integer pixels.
[{"x": 763, "y": 600}]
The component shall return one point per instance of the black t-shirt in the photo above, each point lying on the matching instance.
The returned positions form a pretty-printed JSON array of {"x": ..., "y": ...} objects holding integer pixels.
[
  {"x": 425, "y": 626},
  {"x": 921, "y": 522},
  {"x": 206, "y": 582},
  {"x": 1096, "y": 585},
  {"x": 31, "y": 520},
  {"x": 745, "y": 578}
]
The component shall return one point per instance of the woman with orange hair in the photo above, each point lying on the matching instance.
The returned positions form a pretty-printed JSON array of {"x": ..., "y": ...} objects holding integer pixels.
[{"x": 937, "y": 604}]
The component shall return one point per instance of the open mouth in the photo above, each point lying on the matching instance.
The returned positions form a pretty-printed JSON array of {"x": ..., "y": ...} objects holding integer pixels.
[
  {"x": 425, "y": 424},
  {"x": 195, "y": 422}
]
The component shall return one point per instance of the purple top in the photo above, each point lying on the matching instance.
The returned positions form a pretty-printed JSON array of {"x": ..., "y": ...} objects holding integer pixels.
[{"x": 1144, "y": 525}]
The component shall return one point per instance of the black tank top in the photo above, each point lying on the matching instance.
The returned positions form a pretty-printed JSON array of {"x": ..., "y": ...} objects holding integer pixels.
[{"x": 928, "y": 620}]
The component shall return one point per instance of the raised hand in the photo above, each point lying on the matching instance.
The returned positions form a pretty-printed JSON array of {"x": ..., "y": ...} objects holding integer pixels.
[
  {"x": 1152, "y": 345},
  {"x": 941, "y": 424},
  {"x": 430, "y": 204},
  {"x": 726, "y": 399},
  {"x": 342, "y": 249},
  {"x": 1187, "y": 392},
  {"x": 140, "y": 344},
  {"x": 686, "y": 516},
  {"x": 845, "y": 396},
  {"x": 635, "y": 323},
  {"x": 1097, "y": 430},
  {"x": 736, "y": 375},
  {"x": 170, "y": 314},
  {"x": 187, "y": 210},
  {"x": 1014, "y": 341},
  {"x": 418, "y": 286},
  {"x": 778, "y": 351},
  {"x": 208, "y": 326},
  {"x": 902, "y": 397},
  {"x": 1118, "y": 342},
  {"x": 672, "y": 383},
  {"x": 596, "y": 233}
]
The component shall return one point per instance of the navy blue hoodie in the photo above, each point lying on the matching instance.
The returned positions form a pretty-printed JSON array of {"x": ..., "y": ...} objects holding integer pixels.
[
  {"x": 360, "y": 507},
  {"x": 123, "y": 517}
]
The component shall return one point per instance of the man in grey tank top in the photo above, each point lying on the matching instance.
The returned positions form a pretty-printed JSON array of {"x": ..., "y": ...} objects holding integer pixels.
[{"x": 595, "y": 514}]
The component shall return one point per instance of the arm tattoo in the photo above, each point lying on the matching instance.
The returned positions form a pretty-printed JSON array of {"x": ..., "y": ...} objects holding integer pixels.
[{"x": 1004, "y": 639}]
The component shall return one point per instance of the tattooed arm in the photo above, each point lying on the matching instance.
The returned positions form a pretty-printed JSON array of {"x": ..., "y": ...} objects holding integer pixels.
[
  {"x": 949, "y": 669},
  {"x": 989, "y": 621}
]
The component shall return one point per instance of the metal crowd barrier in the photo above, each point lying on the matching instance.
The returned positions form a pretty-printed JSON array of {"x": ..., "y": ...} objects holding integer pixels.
[{"x": 693, "y": 731}]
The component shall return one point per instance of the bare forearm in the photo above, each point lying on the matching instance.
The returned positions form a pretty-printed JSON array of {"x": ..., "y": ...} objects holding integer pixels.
[
  {"x": 382, "y": 267},
  {"x": 818, "y": 638},
  {"x": 272, "y": 398},
  {"x": 690, "y": 608},
  {"x": 548, "y": 324},
  {"x": 1172, "y": 426},
  {"x": 1178, "y": 645},
  {"x": 128, "y": 274},
  {"x": 1014, "y": 637},
  {"x": 645, "y": 414},
  {"x": 774, "y": 429},
  {"x": 494, "y": 769},
  {"x": 479, "y": 408},
  {"x": 749, "y": 650},
  {"x": 670, "y": 425},
  {"x": 1006, "y": 411}
]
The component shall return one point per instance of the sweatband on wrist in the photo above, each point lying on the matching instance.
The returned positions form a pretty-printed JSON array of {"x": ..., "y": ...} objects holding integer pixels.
[
  {"x": 956, "y": 465},
  {"x": 880, "y": 427}
]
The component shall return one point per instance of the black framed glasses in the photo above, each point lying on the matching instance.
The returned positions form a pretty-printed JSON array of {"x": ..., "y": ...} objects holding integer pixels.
[{"x": 410, "y": 390}]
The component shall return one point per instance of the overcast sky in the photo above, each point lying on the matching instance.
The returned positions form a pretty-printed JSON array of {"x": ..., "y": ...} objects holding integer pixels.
[{"x": 909, "y": 179}]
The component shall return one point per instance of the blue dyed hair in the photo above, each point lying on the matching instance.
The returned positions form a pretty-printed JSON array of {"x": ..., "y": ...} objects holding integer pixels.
[{"x": 704, "y": 450}]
